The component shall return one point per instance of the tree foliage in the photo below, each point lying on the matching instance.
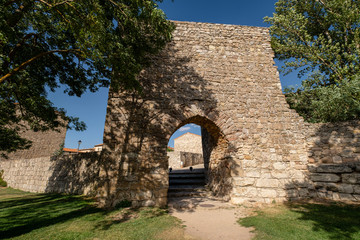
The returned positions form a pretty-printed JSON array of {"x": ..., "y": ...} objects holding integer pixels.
[
  {"x": 321, "y": 40},
  {"x": 80, "y": 44}
]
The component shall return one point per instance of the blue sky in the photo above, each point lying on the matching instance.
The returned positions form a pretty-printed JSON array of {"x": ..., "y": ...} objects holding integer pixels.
[{"x": 91, "y": 107}]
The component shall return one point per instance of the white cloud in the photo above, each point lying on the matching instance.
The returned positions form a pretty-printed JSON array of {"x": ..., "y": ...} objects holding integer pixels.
[
  {"x": 182, "y": 129},
  {"x": 194, "y": 125}
]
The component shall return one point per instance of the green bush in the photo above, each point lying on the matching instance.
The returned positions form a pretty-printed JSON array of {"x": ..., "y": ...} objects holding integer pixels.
[{"x": 3, "y": 183}]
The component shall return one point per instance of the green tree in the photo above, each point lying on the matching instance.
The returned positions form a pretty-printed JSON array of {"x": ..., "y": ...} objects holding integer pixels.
[
  {"x": 321, "y": 40},
  {"x": 81, "y": 44}
]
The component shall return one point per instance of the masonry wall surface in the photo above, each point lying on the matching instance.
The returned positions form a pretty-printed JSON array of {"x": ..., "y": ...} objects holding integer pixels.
[
  {"x": 334, "y": 160},
  {"x": 174, "y": 159},
  {"x": 184, "y": 159},
  {"x": 223, "y": 78},
  {"x": 76, "y": 174},
  {"x": 188, "y": 142},
  {"x": 44, "y": 144}
]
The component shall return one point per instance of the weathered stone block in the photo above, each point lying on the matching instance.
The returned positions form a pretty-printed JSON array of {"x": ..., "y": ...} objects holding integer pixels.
[
  {"x": 357, "y": 166},
  {"x": 356, "y": 189},
  {"x": 347, "y": 197},
  {"x": 327, "y": 185},
  {"x": 280, "y": 166},
  {"x": 346, "y": 188},
  {"x": 324, "y": 177},
  {"x": 242, "y": 182},
  {"x": 353, "y": 178},
  {"x": 337, "y": 159},
  {"x": 252, "y": 173},
  {"x": 330, "y": 168},
  {"x": 268, "y": 193},
  {"x": 267, "y": 183},
  {"x": 292, "y": 193},
  {"x": 280, "y": 175},
  {"x": 247, "y": 191}
]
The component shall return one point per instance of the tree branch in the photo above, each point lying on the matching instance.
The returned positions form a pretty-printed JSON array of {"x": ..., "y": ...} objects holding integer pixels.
[
  {"x": 26, "y": 37},
  {"x": 56, "y": 4},
  {"x": 24, "y": 64}
]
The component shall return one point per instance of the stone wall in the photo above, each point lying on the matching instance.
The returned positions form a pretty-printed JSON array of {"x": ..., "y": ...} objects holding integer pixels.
[
  {"x": 44, "y": 144},
  {"x": 334, "y": 160},
  {"x": 188, "y": 142},
  {"x": 174, "y": 159},
  {"x": 222, "y": 78},
  {"x": 190, "y": 159},
  {"x": 77, "y": 174},
  {"x": 333, "y": 142},
  {"x": 184, "y": 159}
]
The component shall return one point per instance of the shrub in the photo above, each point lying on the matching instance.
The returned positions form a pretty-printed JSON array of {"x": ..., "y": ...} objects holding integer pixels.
[{"x": 3, "y": 183}]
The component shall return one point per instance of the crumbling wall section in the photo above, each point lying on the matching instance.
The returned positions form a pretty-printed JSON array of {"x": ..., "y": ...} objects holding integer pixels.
[{"x": 334, "y": 160}]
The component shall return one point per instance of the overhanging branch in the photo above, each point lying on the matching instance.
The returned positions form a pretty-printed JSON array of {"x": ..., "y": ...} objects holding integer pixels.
[{"x": 24, "y": 64}]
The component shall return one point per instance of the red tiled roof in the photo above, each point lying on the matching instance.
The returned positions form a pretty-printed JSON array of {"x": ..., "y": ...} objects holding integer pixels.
[{"x": 70, "y": 150}]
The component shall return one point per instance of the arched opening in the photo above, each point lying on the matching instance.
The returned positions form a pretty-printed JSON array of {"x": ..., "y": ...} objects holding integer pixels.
[
  {"x": 185, "y": 148},
  {"x": 199, "y": 160}
]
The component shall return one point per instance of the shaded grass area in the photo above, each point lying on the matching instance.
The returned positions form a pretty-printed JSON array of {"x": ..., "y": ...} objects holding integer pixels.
[
  {"x": 306, "y": 221},
  {"x": 55, "y": 216}
]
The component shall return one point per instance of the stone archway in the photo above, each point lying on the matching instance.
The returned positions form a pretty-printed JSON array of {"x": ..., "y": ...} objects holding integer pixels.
[
  {"x": 217, "y": 156},
  {"x": 223, "y": 74}
]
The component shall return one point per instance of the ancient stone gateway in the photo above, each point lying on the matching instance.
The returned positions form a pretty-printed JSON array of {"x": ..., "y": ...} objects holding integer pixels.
[{"x": 223, "y": 78}]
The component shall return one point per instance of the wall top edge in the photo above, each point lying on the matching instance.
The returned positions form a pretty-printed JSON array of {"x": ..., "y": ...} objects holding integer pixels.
[{"x": 216, "y": 24}]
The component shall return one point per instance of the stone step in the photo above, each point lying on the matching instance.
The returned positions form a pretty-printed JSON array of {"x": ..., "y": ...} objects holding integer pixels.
[
  {"x": 186, "y": 187},
  {"x": 189, "y": 203},
  {"x": 180, "y": 176},
  {"x": 188, "y": 193},
  {"x": 187, "y": 171},
  {"x": 187, "y": 181}
]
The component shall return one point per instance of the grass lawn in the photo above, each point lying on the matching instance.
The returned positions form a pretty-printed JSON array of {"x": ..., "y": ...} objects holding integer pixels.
[
  {"x": 55, "y": 216},
  {"x": 306, "y": 221}
]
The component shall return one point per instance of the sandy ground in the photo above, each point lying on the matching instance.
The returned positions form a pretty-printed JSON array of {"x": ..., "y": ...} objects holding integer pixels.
[{"x": 210, "y": 219}]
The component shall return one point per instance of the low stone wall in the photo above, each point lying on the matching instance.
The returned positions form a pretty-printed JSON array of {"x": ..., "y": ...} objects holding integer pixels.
[
  {"x": 27, "y": 174},
  {"x": 334, "y": 160},
  {"x": 77, "y": 174},
  {"x": 187, "y": 158},
  {"x": 191, "y": 159},
  {"x": 174, "y": 159},
  {"x": 336, "y": 181},
  {"x": 333, "y": 142},
  {"x": 44, "y": 144}
]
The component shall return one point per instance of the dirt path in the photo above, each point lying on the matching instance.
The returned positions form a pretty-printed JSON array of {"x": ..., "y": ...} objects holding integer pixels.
[{"x": 210, "y": 219}]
